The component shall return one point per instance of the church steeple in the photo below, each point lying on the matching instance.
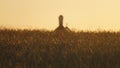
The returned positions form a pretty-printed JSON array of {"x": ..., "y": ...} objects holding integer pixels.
[
  {"x": 60, "y": 20},
  {"x": 61, "y": 28}
]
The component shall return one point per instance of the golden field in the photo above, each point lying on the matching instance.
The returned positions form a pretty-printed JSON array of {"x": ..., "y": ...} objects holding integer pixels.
[{"x": 48, "y": 49}]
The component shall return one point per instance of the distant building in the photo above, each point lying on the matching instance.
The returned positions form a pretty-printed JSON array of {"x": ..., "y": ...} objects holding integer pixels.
[{"x": 61, "y": 28}]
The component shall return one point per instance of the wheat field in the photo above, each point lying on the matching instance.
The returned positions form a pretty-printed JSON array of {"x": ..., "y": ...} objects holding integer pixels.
[{"x": 48, "y": 49}]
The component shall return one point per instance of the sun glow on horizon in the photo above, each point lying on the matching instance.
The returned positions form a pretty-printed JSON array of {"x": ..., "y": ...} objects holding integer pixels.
[{"x": 78, "y": 14}]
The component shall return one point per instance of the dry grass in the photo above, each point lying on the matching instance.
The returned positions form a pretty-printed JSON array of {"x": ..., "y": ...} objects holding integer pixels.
[{"x": 45, "y": 49}]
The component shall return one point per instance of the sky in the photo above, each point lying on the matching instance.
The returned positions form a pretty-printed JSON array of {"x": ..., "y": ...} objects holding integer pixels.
[{"x": 78, "y": 14}]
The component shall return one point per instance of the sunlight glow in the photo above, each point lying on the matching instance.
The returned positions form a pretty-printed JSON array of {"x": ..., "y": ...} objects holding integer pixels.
[{"x": 78, "y": 14}]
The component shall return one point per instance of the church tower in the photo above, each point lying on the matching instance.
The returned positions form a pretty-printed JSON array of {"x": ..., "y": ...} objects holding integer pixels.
[
  {"x": 61, "y": 28},
  {"x": 60, "y": 21}
]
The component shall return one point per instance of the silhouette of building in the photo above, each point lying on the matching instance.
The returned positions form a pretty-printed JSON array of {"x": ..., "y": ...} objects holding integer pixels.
[{"x": 61, "y": 28}]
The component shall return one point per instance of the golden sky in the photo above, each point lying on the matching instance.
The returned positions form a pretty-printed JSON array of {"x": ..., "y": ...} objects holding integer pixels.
[{"x": 78, "y": 14}]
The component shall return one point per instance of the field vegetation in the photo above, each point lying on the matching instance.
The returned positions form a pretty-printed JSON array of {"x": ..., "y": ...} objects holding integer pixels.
[{"x": 48, "y": 49}]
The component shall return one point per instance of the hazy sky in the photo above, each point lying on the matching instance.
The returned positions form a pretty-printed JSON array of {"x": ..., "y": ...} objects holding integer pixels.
[{"x": 78, "y": 14}]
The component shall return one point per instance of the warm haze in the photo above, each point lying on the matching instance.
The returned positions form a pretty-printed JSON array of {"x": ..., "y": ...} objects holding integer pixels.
[{"x": 78, "y": 14}]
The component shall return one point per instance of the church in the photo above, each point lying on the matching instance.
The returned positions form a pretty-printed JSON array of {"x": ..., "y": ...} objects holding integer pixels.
[{"x": 61, "y": 28}]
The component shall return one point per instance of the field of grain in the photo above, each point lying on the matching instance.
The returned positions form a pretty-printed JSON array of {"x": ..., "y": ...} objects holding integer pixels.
[{"x": 46, "y": 49}]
